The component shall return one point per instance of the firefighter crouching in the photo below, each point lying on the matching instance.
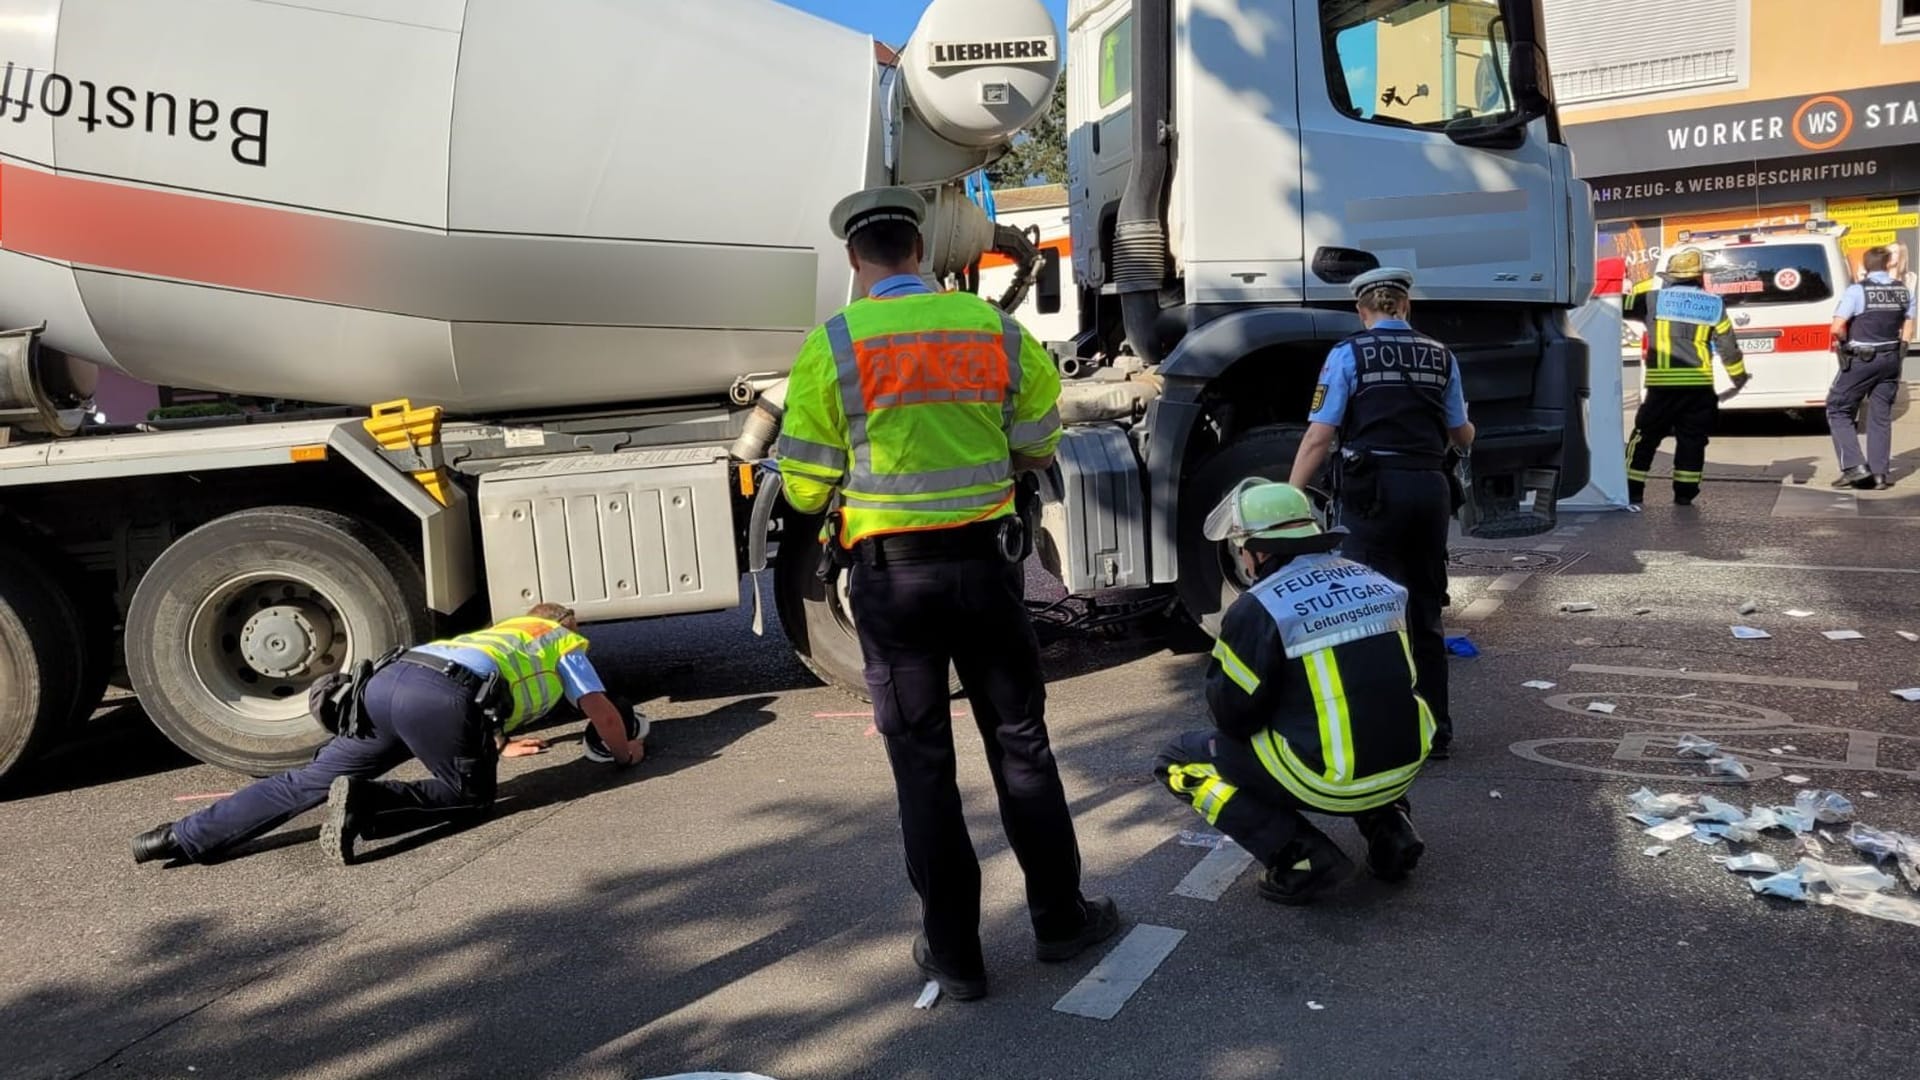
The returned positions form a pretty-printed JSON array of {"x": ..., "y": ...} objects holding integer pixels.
[{"x": 1312, "y": 693}]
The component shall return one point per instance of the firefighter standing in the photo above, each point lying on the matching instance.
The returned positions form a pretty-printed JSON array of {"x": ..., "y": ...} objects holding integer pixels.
[
  {"x": 911, "y": 412},
  {"x": 1870, "y": 330},
  {"x": 1686, "y": 326},
  {"x": 1394, "y": 399},
  {"x": 1312, "y": 695},
  {"x": 451, "y": 704}
]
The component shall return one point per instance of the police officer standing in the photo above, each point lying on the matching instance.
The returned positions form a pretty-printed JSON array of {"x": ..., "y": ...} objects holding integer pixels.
[
  {"x": 1311, "y": 690},
  {"x": 908, "y": 415},
  {"x": 451, "y": 704},
  {"x": 1686, "y": 326},
  {"x": 1870, "y": 330},
  {"x": 1393, "y": 398}
]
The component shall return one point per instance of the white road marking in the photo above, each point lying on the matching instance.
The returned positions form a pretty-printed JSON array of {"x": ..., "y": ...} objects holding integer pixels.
[
  {"x": 1571, "y": 530},
  {"x": 1106, "y": 989},
  {"x": 1550, "y": 548},
  {"x": 1509, "y": 582},
  {"x": 1797, "y": 566},
  {"x": 1481, "y": 608},
  {"x": 1213, "y": 875},
  {"x": 1713, "y": 677},
  {"x": 1585, "y": 519}
]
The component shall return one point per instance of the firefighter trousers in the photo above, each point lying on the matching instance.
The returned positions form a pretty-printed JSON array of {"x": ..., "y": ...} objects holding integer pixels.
[
  {"x": 1685, "y": 412},
  {"x": 1222, "y": 779}
]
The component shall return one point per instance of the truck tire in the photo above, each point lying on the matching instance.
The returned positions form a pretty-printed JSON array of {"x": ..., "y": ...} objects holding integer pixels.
[
  {"x": 1209, "y": 581},
  {"x": 233, "y": 622},
  {"x": 818, "y": 622},
  {"x": 39, "y": 669},
  {"x": 820, "y": 625}
]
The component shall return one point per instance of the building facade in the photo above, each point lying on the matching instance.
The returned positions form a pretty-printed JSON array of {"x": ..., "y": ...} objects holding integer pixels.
[{"x": 1725, "y": 114}]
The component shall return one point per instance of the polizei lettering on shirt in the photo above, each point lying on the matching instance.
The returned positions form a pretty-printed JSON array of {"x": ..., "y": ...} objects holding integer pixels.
[
  {"x": 1409, "y": 360},
  {"x": 1886, "y": 297},
  {"x": 980, "y": 53},
  {"x": 1323, "y": 600}
]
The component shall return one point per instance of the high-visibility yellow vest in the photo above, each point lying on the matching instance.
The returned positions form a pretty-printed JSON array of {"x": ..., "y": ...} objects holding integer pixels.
[
  {"x": 913, "y": 407},
  {"x": 527, "y": 653}
]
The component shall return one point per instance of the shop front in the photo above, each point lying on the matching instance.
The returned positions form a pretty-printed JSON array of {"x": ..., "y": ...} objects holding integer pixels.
[{"x": 1849, "y": 156}]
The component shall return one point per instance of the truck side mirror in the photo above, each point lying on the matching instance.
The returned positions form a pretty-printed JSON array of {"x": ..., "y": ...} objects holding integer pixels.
[
  {"x": 1532, "y": 80},
  {"x": 1047, "y": 289}
]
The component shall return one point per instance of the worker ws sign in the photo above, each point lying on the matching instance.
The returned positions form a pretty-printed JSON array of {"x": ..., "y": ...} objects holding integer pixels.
[{"x": 954, "y": 54}]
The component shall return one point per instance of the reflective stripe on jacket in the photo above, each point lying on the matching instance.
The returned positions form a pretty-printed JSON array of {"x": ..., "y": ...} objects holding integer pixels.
[
  {"x": 526, "y": 652},
  {"x": 1685, "y": 327},
  {"x": 1337, "y": 722},
  {"x": 913, "y": 408}
]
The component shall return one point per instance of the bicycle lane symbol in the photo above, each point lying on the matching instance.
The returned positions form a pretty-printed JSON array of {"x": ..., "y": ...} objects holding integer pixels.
[{"x": 1654, "y": 754}]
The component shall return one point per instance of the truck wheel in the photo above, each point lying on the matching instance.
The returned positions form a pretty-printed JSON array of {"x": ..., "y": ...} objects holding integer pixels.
[
  {"x": 235, "y": 620},
  {"x": 39, "y": 652},
  {"x": 1210, "y": 579},
  {"x": 819, "y": 622}
]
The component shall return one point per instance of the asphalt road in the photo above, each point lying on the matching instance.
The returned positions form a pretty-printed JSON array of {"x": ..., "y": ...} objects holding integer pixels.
[{"x": 739, "y": 903}]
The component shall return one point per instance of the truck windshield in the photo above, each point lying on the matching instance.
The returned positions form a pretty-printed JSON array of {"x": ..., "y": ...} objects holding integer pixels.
[
  {"x": 1418, "y": 63},
  {"x": 1769, "y": 274}
]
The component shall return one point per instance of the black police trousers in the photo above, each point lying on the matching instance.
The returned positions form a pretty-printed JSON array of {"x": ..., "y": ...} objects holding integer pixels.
[
  {"x": 1873, "y": 381},
  {"x": 1685, "y": 412},
  {"x": 1222, "y": 779},
  {"x": 414, "y": 713},
  {"x": 915, "y": 618},
  {"x": 1405, "y": 538}
]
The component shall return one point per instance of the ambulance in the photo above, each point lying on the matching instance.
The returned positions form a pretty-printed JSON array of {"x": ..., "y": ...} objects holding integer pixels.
[{"x": 1781, "y": 284}]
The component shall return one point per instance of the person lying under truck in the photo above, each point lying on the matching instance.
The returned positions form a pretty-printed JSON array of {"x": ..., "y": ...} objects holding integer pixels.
[
  {"x": 452, "y": 704},
  {"x": 1311, "y": 687}
]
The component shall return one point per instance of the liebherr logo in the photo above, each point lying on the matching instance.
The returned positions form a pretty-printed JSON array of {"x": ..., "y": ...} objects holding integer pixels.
[{"x": 981, "y": 53}]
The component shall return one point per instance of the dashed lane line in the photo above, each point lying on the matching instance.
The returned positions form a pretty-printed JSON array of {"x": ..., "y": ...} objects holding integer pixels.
[
  {"x": 1212, "y": 876},
  {"x": 1481, "y": 608},
  {"x": 1114, "y": 980},
  {"x": 1509, "y": 582},
  {"x": 1714, "y": 677}
]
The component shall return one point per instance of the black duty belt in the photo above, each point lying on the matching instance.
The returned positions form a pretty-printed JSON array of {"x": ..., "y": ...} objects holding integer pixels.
[
  {"x": 980, "y": 540},
  {"x": 1410, "y": 462},
  {"x": 464, "y": 678}
]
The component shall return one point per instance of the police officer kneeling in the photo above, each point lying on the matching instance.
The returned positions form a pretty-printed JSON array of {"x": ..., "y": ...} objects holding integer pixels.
[
  {"x": 451, "y": 704},
  {"x": 1394, "y": 399},
  {"x": 1311, "y": 689}
]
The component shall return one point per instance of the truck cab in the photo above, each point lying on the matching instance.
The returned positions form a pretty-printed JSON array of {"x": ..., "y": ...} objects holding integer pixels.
[{"x": 1235, "y": 165}]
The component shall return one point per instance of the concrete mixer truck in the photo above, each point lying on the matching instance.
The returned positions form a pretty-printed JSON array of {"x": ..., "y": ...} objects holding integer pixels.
[{"x": 534, "y": 272}]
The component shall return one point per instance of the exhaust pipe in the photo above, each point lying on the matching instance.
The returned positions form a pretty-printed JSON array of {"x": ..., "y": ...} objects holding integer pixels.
[{"x": 1140, "y": 254}]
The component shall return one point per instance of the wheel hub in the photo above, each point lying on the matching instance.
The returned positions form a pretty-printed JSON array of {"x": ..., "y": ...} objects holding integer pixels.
[{"x": 286, "y": 639}]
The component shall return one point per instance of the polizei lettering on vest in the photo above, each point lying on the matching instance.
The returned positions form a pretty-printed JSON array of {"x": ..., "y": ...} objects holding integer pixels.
[{"x": 980, "y": 53}]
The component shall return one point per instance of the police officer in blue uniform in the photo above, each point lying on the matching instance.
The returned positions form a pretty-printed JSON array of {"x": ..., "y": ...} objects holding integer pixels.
[
  {"x": 1870, "y": 330},
  {"x": 1392, "y": 397}
]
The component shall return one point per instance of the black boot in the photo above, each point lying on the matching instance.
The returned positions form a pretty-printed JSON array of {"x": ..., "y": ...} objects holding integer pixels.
[
  {"x": 954, "y": 986},
  {"x": 1875, "y": 482},
  {"x": 342, "y": 827},
  {"x": 1393, "y": 847},
  {"x": 157, "y": 843},
  {"x": 1103, "y": 919},
  {"x": 1853, "y": 477},
  {"x": 1307, "y": 868}
]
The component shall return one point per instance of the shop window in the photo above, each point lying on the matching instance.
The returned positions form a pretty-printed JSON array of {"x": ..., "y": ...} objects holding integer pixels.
[
  {"x": 1418, "y": 63},
  {"x": 1116, "y": 62},
  {"x": 1606, "y": 49}
]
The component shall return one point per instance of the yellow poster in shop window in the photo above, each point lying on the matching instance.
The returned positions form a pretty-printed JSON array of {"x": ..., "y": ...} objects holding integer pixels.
[{"x": 1871, "y": 223}]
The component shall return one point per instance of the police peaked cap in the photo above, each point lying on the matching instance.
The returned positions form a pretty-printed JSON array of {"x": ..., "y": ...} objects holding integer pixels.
[
  {"x": 1387, "y": 277},
  {"x": 875, "y": 205}
]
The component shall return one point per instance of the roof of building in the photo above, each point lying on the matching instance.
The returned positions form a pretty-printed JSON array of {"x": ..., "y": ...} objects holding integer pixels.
[
  {"x": 887, "y": 55},
  {"x": 1037, "y": 197}
]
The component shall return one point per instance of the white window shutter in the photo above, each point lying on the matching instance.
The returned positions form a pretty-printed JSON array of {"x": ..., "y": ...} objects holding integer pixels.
[{"x": 1603, "y": 49}]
